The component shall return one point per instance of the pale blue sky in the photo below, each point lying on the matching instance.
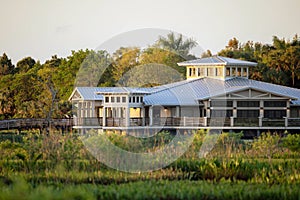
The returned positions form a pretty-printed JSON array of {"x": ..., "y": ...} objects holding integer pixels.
[{"x": 41, "y": 28}]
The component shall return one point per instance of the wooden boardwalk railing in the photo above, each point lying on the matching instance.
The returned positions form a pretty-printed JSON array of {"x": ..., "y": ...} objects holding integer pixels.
[{"x": 35, "y": 123}]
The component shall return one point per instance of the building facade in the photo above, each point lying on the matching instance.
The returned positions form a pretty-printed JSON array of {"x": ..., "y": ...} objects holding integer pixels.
[{"x": 217, "y": 94}]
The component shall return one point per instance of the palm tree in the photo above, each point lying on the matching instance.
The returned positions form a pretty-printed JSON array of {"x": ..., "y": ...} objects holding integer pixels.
[{"x": 176, "y": 44}]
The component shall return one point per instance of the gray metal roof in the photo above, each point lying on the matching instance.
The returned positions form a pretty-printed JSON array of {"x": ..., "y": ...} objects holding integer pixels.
[
  {"x": 123, "y": 90},
  {"x": 217, "y": 60},
  {"x": 189, "y": 92},
  {"x": 88, "y": 93},
  {"x": 96, "y": 93}
]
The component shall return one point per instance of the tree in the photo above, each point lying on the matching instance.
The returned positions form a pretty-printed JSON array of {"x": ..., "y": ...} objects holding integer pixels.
[
  {"x": 176, "y": 44},
  {"x": 123, "y": 60},
  {"x": 206, "y": 54},
  {"x": 291, "y": 62},
  {"x": 92, "y": 68},
  {"x": 6, "y": 67},
  {"x": 25, "y": 64},
  {"x": 7, "y": 104},
  {"x": 161, "y": 56},
  {"x": 233, "y": 44}
]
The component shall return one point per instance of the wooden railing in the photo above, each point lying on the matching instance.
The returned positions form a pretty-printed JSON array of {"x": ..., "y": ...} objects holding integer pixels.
[
  {"x": 273, "y": 122},
  {"x": 246, "y": 122},
  {"x": 35, "y": 123},
  {"x": 293, "y": 122},
  {"x": 161, "y": 121}
]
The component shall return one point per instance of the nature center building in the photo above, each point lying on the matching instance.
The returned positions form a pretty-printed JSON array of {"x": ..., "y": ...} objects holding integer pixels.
[{"x": 217, "y": 94}]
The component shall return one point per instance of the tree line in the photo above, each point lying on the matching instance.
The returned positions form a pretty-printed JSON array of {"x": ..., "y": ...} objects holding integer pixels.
[{"x": 31, "y": 89}]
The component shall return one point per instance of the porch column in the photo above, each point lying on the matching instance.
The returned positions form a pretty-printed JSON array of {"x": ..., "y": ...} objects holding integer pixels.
[
  {"x": 177, "y": 112},
  {"x": 260, "y": 121},
  {"x": 231, "y": 121},
  {"x": 127, "y": 116},
  {"x": 93, "y": 109},
  {"x": 288, "y": 113},
  {"x": 150, "y": 115},
  {"x": 234, "y": 111},
  {"x": 247, "y": 72},
  {"x": 104, "y": 116},
  {"x": 205, "y": 121},
  {"x": 79, "y": 110},
  {"x": 88, "y": 109},
  {"x": 261, "y": 110},
  {"x": 143, "y": 115}
]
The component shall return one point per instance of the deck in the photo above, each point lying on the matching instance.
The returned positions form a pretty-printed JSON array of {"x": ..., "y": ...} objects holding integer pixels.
[
  {"x": 30, "y": 123},
  {"x": 190, "y": 123}
]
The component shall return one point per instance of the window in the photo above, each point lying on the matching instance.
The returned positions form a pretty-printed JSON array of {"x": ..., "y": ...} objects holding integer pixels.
[
  {"x": 219, "y": 71},
  {"x": 227, "y": 71},
  {"x": 221, "y": 113},
  {"x": 106, "y": 99},
  {"x": 248, "y": 113},
  {"x": 123, "y": 99},
  {"x": 130, "y": 99},
  {"x": 244, "y": 74},
  {"x": 118, "y": 99},
  {"x": 211, "y": 71},
  {"x": 137, "y": 99},
  {"x": 192, "y": 71},
  {"x": 141, "y": 99},
  {"x": 112, "y": 99},
  {"x": 133, "y": 99},
  {"x": 239, "y": 71},
  {"x": 219, "y": 103},
  {"x": 274, "y": 114},
  {"x": 201, "y": 71},
  {"x": 233, "y": 71},
  {"x": 275, "y": 104},
  {"x": 248, "y": 103}
]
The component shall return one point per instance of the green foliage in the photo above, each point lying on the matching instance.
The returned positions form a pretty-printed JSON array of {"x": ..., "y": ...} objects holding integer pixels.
[
  {"x": 266, "y": 145},
  {"x": 277, "y": 63},
  {"x": 176, "y": 44},
  {"x": 6, "y": 67},
  {"x": 292, "y": 142},
  {"x": 58, "y": 166}
]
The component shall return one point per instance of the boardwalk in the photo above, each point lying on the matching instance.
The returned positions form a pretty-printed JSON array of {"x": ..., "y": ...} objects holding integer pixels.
[{"x": 21, "y": 124}]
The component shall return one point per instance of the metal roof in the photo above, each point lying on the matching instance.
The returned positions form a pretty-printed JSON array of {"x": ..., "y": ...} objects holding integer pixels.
[
  {"x": 217, "y": 60},
  {"x": 189, "y": 92},
  {"x": 123, "y": 90},
  {"x": 96, "y": 93},
  {"x": 87, "y": 93}
]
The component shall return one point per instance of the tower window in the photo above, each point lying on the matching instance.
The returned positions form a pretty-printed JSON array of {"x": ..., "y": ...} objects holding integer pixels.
[
  {"x": 219, "y": 71},
  {"x": 244, "y": 72},
  {"x": 227, "y": 71},
  {"x": 239, "y": 71},
  {"x": 211, "y": 71},
  {"x": 233, "y": 71}
]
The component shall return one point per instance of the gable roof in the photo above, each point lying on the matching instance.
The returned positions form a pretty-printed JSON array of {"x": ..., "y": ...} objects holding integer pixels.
[
  {"x": 217, "y": 60},
  {"x": 190, "y": 92},
  {"x": 96, "y": 93},
  {"x": 87, "y": 93}
]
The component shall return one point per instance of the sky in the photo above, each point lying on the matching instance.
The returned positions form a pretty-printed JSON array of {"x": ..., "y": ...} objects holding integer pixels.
[{"x": 42, "y": 28}]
